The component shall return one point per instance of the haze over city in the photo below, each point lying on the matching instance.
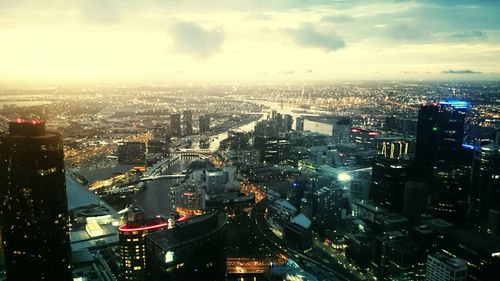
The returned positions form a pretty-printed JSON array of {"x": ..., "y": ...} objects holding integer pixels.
[{"x": 231, "y": 140}]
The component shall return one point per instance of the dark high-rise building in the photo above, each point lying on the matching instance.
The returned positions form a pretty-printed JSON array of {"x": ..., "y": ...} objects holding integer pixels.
[
  {"x": 131, "y": 240},
  {"x": 390, "y": 123},
  {"x": 365, "y": 137},
  {"x": 480, "y": 251},
  {"x": 484, "y": 208},
  {"x": 395, "y": 148},
  {"x": 266, "y": 129},
  {"x": 341, "y": 130},
  {"x": 401, "y": 125},
  {"x": 175, "y": 124},
  {"x": 187, "y": 118},
  {"x": 381, "y": 249},
  {"x": 449, "y": 193},
  {"x": 236, "y": 141},
  {"x": 193, "y": 250},
  {"x": 415, "y": 200},
  {"x": 272, "y": 149},
  {"x": 34, "y": 210},
  {"x": 286, "y": 123},
  {"x": 439, "y": 158},
  {"x": 160, "y": 146},
  {"x": 132, "y": 153},
  {"x": 388, "y": 182},
  {"x": 299, "y": 123},
  {"x": 298, "y": 233},
  {"x": 331, "y": 203},
  {"x": 405, "y": 261},
  {"x": 440, "y": 133},
  {"x": 204, "y": 123}
]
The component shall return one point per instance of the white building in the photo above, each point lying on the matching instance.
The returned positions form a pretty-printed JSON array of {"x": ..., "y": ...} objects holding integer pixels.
[
  {"x": 443, "y": 268},
  {"x": 216, "y": 181}
]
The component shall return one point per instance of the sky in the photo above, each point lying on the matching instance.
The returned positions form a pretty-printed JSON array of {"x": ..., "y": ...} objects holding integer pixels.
[{"x": 49, "y": 42}]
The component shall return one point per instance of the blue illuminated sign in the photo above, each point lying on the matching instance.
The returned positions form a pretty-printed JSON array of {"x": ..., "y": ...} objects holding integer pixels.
[
  {"x": 467, "y": 146},
  {"x": 458, "y": 104}
]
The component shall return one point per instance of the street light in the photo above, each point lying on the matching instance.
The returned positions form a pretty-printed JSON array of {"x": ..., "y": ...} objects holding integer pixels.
[{"x": 344, "y": 177}]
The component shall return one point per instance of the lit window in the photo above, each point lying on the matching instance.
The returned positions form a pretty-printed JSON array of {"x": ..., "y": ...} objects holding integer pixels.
[{"x": 46, "y": 172}]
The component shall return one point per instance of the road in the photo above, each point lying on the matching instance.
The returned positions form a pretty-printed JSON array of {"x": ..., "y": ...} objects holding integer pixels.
[
  {"x": 244, "y": 266},
  {"x": 258, "y": 216}
]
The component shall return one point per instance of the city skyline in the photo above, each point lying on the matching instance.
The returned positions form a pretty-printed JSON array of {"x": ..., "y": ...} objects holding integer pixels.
[
  {"x": 54, "y": 43},
  {"x": 250, "y": 140},
  {"x": 376, "y": 181}
]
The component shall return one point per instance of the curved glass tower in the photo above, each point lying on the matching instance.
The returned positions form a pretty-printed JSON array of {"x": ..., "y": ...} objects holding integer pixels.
[{"x": 34, "y": 209}]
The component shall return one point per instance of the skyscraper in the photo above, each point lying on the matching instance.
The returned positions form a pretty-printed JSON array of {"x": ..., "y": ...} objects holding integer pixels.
[
  {"x": 365, "y": 137},
  {"x": 484, "y": 209},
  {"x": 341, "y": 130},
  {"x": 193, "y": 250},
  {"x": 187, "y": 117},
  {"x": 175, "y": 124},
  {"x": 286, "y": 123},
  {"x": 439, "y": 158},
  {"x": 34, "y": 209},
  {"x": 299, "y": 123},
  {"x": 272, "y": 149},
  {"x": 388, "y": 182},
  {"x": 440, "y": 133},
  {"x": 160, "y": 146},
  {"x": 415, "y": 200},
  {"x": 131, "y": 239},
  {"x": 330, "y": 206},
  {"x": 204, "y": 123}
]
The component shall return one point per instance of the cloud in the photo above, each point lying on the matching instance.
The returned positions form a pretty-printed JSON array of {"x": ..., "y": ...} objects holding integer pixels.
[
  {"x": 101, "y": 11},
  {"x": 193, "y": 40},
  {"x": 259, "y": 17},
  {"x": 307, "y": 36},
  {"x": 337, "y": 18},
  {"x": 470, "y": 34},
  {"x": 460, "y": 71},
  {"x": 406, "y": 33}
]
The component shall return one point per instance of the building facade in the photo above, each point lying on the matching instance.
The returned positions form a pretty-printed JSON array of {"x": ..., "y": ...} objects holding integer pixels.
[
  {"x": 187, "y": 118},
  {"x": 132, "y": 153},
  {"x": 34, "y": 210},
  {"x": 189, "y": 199},
  {"x": 131, "y": 240},
  {"x": 484, "y": 210},
  {"x": 204, "y": 124},
  {"x": 175, "y": 124},
  {"x": 439, "y": 159},
  {"x": 443, "y": 268},
  {"x": 193, "y": 250}
]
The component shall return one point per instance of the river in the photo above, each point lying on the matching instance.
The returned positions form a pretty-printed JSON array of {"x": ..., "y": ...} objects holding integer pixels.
[{"x": 156, "y": 198}]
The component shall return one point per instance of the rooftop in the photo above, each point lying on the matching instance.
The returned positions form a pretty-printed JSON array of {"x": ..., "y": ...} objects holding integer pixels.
[
  {"x": 455, "y": 263},
  {"x": 193, "y": 229},
  {"x": 302, "y": 220},
  {"x": 487, "y": 244},
  {"x": 80, "y": 196}
]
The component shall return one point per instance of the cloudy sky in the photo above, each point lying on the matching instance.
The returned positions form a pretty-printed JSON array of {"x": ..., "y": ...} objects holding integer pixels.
[{"x": 163, "y": 41}]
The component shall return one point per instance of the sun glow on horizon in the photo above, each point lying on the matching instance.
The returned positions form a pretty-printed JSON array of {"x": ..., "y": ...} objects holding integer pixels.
[{"x": 121, "y": 41}]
